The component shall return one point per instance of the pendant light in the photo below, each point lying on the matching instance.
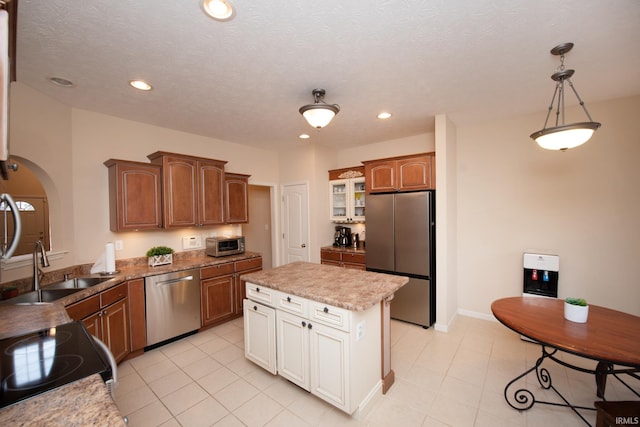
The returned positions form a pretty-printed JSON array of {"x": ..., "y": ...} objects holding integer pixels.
[
  {"x": 563, "y": 136},
  {"x": 319, "y": 114}
]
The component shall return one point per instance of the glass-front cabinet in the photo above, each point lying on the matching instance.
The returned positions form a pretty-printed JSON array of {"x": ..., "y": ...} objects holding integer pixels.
[{"x": 347, "y": 200}]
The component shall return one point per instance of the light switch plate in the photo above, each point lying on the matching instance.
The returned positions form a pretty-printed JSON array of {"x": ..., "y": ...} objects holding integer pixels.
[{"x": 191, "y": 242}]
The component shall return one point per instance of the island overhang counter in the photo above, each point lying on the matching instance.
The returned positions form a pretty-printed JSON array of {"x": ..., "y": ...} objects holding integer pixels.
[{"x": 316, "y": 308}]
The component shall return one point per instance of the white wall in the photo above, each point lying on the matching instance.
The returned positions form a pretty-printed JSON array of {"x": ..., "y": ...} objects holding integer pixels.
[
  {"x": 582, "y": 204},
  {"x": 512, "y": 196}
]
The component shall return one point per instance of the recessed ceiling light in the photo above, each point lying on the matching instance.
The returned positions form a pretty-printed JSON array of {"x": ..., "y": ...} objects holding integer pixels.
[
  {"x": 59, "y": 81},
  {"x": 304, "y": 136},
  {"x": 384, "y": 115},
  {"x": 220, "y": 10},
  {"x": 140, "y": 85}
]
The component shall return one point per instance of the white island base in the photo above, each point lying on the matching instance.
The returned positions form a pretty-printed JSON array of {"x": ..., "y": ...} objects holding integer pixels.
[{"x": 338, "y": 354}]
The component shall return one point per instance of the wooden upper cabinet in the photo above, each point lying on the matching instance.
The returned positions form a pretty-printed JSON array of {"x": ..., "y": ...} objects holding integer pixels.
[
  {"x": 134, "y": 195},
  {"x": 192, "y": 189},
  {"x": 236, "y": 198},
  {"x": 406, "y": 173}
]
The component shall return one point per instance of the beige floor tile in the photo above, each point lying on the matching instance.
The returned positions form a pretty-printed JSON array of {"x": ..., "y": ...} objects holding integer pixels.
[
  {"x": 284, "y": 392},
  {"x": 288, "y": 419},
  {"x": 129, "y": 401},
  {"x": 258, "y": 411},
  {"x": 442, "y": 379},
  {"x": 201, "y": 367},
  {"x": 229, "y": 421},
  {"x": 235, "y": 394},
  {"x": 150, "y": 416},
  {"x": 217, "y": 380},
  {"x": 153, "y": 372},
  {"x": 184, "y": 398},
  {"x": 188, "y": 356},
  {"x": 205, "y": 413},
  {"x": 170, "y": 383}
]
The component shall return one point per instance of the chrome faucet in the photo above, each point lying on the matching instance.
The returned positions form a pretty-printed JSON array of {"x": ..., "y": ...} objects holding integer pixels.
[{"x": 43, "y": 259}]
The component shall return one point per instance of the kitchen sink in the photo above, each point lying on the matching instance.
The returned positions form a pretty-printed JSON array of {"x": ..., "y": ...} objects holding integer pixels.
[
  {"x": 41, "y": 296},
  {"x": 78, "y": 282}
]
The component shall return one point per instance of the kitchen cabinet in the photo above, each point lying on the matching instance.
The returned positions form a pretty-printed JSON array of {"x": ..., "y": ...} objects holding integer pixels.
[
  {"x": 344, "y": 258},
  {"x": 243, "y": 267},
  {"x": 236, "y": 200},
  {"x": 192, "y": 189},
  {"x": 406, "y": 173},
  {"x": 329, "y": 351},
  {"x": 134, "y": 195},
  {"x": 137, "y": 318},
  {"x": 217, "y": 286},
  {"x": 223, "y": 290},
  {"x": 260, "y": 328},
  {"x": 347, "y": 195},
  {"x": 106, "y": 317}
]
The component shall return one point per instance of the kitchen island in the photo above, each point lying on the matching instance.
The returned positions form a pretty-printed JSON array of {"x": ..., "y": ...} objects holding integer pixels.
[{"x": 325, "y": 327}]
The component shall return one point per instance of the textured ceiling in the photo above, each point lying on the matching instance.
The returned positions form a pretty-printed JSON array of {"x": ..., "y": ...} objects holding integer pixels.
[{"x": 244, "y": 80}]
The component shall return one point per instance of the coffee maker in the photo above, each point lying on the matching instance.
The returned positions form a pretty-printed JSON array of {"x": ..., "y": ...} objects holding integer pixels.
[{"x": 342, "y": 236}]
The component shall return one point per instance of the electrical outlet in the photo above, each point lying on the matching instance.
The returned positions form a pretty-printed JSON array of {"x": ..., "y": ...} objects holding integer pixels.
[
  {"x": 191, "y": 242},
  {"x": 360, "y": 327},
  {"x": 118, "y": 245}
]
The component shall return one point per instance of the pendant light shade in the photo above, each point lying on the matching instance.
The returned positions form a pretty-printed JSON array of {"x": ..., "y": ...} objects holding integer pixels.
[
  {"x": 319, "y": 114},
  {"x": 564, "y": 136}
]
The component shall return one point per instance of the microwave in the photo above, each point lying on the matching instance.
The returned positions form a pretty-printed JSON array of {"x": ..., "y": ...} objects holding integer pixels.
[{"x": 223, "y": 246}]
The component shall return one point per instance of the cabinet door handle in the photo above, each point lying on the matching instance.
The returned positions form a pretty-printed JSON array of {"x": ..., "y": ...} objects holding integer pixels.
[
  {"x": 288, "y": 299},
  {"x": 304, "y": 245},
  {"x": 255, "y": 307},
  {"x": 304, "y": 323},
  {"x": 309, "y": 326},
  {"x": 326, "y": 310},
  {"x": 105, "y": 312},
  {"x": 257, "y": 289}
]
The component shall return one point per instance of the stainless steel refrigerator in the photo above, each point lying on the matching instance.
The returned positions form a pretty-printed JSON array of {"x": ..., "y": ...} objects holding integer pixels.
[{"x": 400, "y": 239}]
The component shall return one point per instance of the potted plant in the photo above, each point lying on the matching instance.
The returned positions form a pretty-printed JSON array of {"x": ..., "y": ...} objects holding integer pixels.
[
  {"x": 576, "y": 309},
  {"x": 160, "y": 255}
]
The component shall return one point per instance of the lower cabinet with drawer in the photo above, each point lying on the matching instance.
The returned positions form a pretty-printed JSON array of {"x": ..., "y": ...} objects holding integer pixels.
[
  {"x": 106, "y": 317},
  {"x": 330, "y": 351},
  {"x": 223, "y": 290},
  {"x": 346, "y": 259}
]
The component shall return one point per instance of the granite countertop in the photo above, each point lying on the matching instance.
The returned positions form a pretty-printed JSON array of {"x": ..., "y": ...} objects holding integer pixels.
[
  {"x": 85, "y": 402},
  {"x": 348, "y": 249},
  {"x": 80, "y": 403},
  {"x": 341, "y": 287},
  {"x": 137, "y": 270}
]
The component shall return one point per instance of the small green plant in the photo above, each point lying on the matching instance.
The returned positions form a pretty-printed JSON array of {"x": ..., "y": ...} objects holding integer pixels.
[
  {"x": 576, "y": 301},
  {"x": 159, "y": 250}
]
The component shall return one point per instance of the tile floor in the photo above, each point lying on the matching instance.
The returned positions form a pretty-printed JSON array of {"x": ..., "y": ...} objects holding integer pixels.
[{"x": 442, "y": 379}]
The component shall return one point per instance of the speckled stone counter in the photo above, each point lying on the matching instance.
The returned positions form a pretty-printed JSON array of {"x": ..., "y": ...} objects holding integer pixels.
[
  {"x": 22, "y": 319},
  {"x": 81, "y": 403},
  {"x": 340, "y": 287},
  {"x": 85, "y": 402},
  {"x": 347, "y": 249}
]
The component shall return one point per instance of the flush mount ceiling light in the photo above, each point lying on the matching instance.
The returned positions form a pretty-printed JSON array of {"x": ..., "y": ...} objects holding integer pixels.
[
  {"x": 140, "y": 85},
  {"x": 384, "y": 115},
  {"x": 59, "y": 81},
  {"x": 319, "y": 114},
  {"x": 220, "y": 10},
  {"x": 563, "y": 136}
]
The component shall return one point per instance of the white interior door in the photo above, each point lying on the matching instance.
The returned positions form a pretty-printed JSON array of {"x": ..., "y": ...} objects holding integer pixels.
[{"x": 295, "y": 223}]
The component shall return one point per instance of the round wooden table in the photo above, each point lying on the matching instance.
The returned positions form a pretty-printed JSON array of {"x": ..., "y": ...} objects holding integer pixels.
[{"x": 610, "y": 337}]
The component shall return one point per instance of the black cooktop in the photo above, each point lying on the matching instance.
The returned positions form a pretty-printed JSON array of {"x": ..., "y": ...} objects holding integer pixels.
[{"x": 43, "y": 360}]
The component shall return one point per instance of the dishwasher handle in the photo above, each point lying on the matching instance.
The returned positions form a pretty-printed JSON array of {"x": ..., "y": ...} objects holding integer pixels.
[{"x": 172, "y": 281}]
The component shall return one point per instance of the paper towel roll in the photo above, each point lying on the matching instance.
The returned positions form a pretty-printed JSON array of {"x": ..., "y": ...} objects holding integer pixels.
[{"x": 110, "y": 258}]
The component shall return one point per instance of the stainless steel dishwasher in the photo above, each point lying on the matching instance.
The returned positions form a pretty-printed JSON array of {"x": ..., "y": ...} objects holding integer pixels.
[{"x": 172, "y": 305}]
